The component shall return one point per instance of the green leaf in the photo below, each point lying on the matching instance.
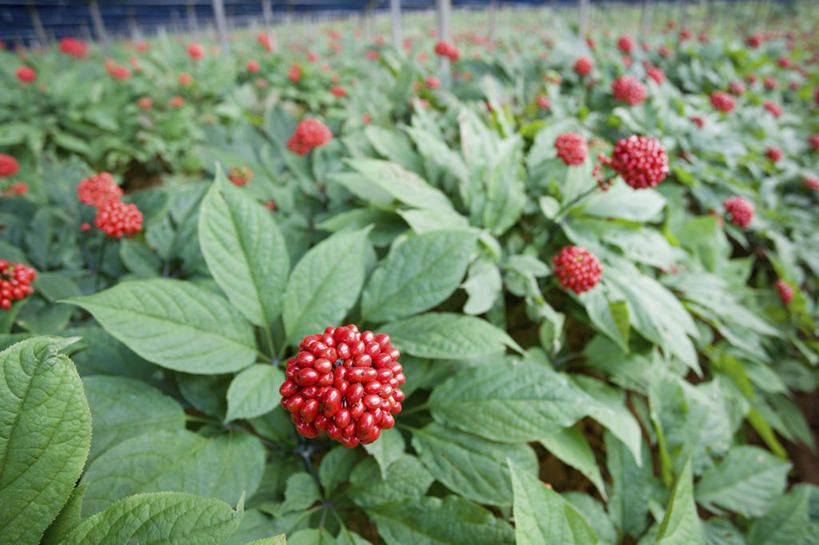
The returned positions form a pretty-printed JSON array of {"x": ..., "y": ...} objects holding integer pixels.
[
  {"x": 244, "y": 250},
  {"x": 254, "y": 392},
  {"x": 139, "y": 259},
  {"x": 787, "y": 522},
  {"x": 609, "y": 317},
  {"x": 571, "y": 446},
  {"x": 175, "y": 324},
  {"x": 224, "y": 467},
  {"x": 417, "y": 275},
  {"x": 542, "y": 516},
  {"x": 631, "y": 486},
  {"x": 447, "y": 336},
  {"x": 721, "y": 532},
  {"x": 471, "y": 466},
  {"x": 388, "y": 448},
  {"x": 301, "y": 492},
  {"x": 423, "y": 221},
  {"x": 122, "y": 408},
  {"x": 747, "y": 481},
  {"x": 275, "y": 540},
  {"x": 69, "y": 518},
  {"x": 484, "y": 285},
  {"x": 681, "y": 525},
  {"x": 406, "y": 479},
  {"x": 163, "y": 518},
  {"x": 401, "y": 184},
  {"x": 335, "y": 467},
  {"x": 508, "y": 402},
  {"x": 435, "y": 521},
  {"x": 623, "y": 202},
  {"x": 325, "y": 284},
  {"x": 45, "y": 435}
]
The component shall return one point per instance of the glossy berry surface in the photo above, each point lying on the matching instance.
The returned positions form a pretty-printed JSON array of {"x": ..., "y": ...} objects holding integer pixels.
[
  {"x": 740, "y": 210},
  {"x": 309, "y": 134},
  {"x": 577, "y": 268},
  {"x": 345, "y": 383},
  {"x": 629, "y": 89},
  {"x": 98, "y": 189},
  {"x": 116, "y": 218},
  {"x": 15, "y": 282},
  {"x": 641, "y": 161},
  {"x": 572, "y": 148}
]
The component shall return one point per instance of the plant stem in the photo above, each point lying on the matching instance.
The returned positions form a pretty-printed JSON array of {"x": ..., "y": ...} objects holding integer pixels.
[{"x": 99, "y": 264}]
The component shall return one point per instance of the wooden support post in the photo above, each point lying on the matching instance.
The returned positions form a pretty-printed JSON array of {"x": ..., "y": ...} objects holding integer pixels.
[
  {"x": 99, "y": 25},
  {"x": 645, "y": 14},
  {"x": 38, "y": 25},
  {"x": 193, "y": 23},
  {"x": 267, "y": 17},
  {"x": 395, "y": 21},
  {"x": 444, "y": 33},
  {"x": 221, "y": 23},
  {"x": 583, "y": 16}
]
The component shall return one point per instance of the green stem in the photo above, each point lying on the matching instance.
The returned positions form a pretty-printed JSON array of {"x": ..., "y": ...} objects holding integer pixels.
[{"x": 99, "y": 264}]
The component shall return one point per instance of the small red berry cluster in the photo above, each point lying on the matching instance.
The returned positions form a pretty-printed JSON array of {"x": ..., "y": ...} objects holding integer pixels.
[
  {"x": 76, "y": 48},
  {"x": 722, "y": 101},
  {"x": 309, "y": 134},
  {"x": 741, "y": 211},
  {"x": 26, "y": 74},
  {"x": 641, "y": 161},
  {"x": 345, "y": 383},
  {"x": 446, "y": 49},
  {"x": 785, "y": 291},
  {"x": 774, "y": 154},
  {"x": 15, "y": 282},
  {"x": 629, "y": 89},
  {"x": 656, "y": 73},
  {"x": 240, "y": 175},
  {"x": 583, "y": 66},
  {"x": 625, "y": 44},
  {"x": 98, "y": 189},
  {"x": 773, "y": 108},
  {"x": 811, "y": 182},
  {"x": 572, "y": 148},
  {"x": 737, "y": 88},
  {"x": 577, "y": 268},
  {"x": 813, "y": 141},
  {"x": 8, "y": 166}
]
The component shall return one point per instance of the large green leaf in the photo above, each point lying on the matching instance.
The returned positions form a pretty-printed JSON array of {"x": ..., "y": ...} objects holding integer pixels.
[
  {"x": 325, "y": 284},
  {"x": 542, "y": 516},
  {"x": 387, "y": 449},
  {"x": 631, "y": 485},
  {"x": 787, "y": 522},
  {"x": 471, "y": 466},
  {"x": 244, "y": 250},
  {"x": 45, "y": 435},
  {"x": 224, "y": 467},
  {"x": 406, "y": 479},
  {"x": 417, "y": 275},
  {"x": 681, "y": 525},
  {"x": 435, "y": 521},
  {"x": 403, "y": 185},
  {"x": 122, "y": 408},
  {"x": 621, "y": 201},
  {"x": 254, "y": 392},
  {"x": 447, "y": 336},
  {"x": 175, "y": 324},
  {"x": 571, "y": 446},
  {"x": 162, "y": 518},
  {"x": 747, "y": 481},
  {"x": 509, "y": 402}
]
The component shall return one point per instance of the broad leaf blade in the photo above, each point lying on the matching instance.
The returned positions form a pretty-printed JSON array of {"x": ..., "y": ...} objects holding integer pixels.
[
  {"x": 254, "y": 392},
  {"x": 681, "y": 525}
]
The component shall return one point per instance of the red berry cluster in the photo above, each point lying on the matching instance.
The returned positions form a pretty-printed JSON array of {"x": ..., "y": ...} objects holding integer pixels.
[
  {"x": 655, "y": 73},
  {"x": 76, "y": 48},
  {"x": 309, "y": 134},
  {"x": 698, "y": 121},
  {"x": 741, "y": 210},
  {"x": 240, "y": 175},
  {"x": 446, "y": 49},
  {"x": 774, "y": 154},
  {"x": 253, "y": 66},
  {"x": 577, "y": 268},
  {"x": 345, "y": 383},
  {"x": 432, "y": 82},
  {"x": 641, "y": 161},
  {"x": 8, "y": 166},
  {"x": 722, "y": 101},
  {"x": 15, "y": 282},
  {"x": 26, "y": 74},
  {"x": 196, "y": 51},
  {"x": 294, "y": 74},
  {"x": 737, "y": 88},
  {"x": 98, "y": 189},
  {"x": 813, "y": 141},
  {"x": 543, "y": 102},
  {"x": 20, "y": 188},
  {"x": 572, "y": 148},
  {"x": 625, "y": 44},
  {"x": 117, "y": 218},
  {"x": 785, "y": 291},
  {"x": 811, "y": 182},
  {"x": 338, "y": 90},
  {"x": 629, "y": 89},
  {"x": 583, "y": 66},
  {"x": 774, "y": 108}
]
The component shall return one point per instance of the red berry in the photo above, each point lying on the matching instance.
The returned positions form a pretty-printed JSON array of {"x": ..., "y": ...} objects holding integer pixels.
[
  {"x": 785, "y": 291},
  {"x": 629, "y": 89},
  {"x": 8, "y": 166},
  {"x": 741, "y": 211},
  {"x": 572, "y": 148},
  {"x": 117, "y": 218},
  {"x": 98, "y": 189},
  {"x": 577, "y": 269},
  {"x": 583, "y": 66},
  {"x": 722, "y": 101},
  {"x": 26, "y": 74},
  {"x": 309, "y": 134},
  {"x": 625, "y": 44}
]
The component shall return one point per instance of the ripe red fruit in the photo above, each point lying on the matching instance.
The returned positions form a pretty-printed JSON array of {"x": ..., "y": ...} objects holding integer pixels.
[
  {"x": 145, "y": 103},
  {"x": 629, "y": 89},
  {"x": 774, "y": 108},
  {"x": 240, "y": 175},
  {"x": 98, "y": 189},
  {"x": 20, "y": 189},
  {"x": 309, "y": 134},
  {"x": 625, "y": 44},
  {"x": 543, "y": 102},
  {"x": 572, "y": 148},
  {"x": 641, "y": 161},
  {"x": 813, "y": 141},
  {"x": 656, "y": 74},
  {"x": 722, "y": 101},
  {"x": 446, "y": 49},
  {"x": 664, "y": 51},
  {"x": 577, "y": 268},
  {"x": 176, "y": 101},
  {"x": 344, "y": 382},
  {"x": 185, "y": 79},
  {"x": 294, "y": 74},
  {"x": 583, "y": 66},
  {"x": 785, "y": 291},
  {"x": 774, "y": 154},
  {"x": 252, "y": 66},
  {"x": 15, "y": 282},
  {"x": 811, "y": 182},
  {"x": 117, "y": 218},
  {"x": 196, "y": 51},
  {"x": 737, "y": 88},
  {"x": 770, "y": 83},
  {"x": 741, "y": 211},
  {"x": 432, "y": 82},
  {"x": 338, "y": 91},
  {"x": 26, "y": 74},
  {"x": 8, "y": 166},
  {"x": 698, "y": 121},
  {"x": 264, "y": 41}
]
